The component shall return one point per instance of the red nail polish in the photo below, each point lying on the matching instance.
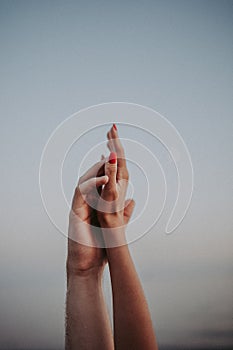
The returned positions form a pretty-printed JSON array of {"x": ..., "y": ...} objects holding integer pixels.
[
  {"x": 115, "y": 127},
  {"x": 112, "y": 158}
]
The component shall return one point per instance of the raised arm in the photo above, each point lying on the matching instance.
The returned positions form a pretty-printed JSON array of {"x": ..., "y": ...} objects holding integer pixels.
[
  {"x": 87, "y": 322},
  {"x": 133, "y": 327}
]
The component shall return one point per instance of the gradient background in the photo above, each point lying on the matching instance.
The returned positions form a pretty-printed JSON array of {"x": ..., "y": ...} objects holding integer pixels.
[{"x": 173, "y": 56}]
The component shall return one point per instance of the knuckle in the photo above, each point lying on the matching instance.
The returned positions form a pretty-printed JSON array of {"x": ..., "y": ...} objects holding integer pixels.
[
  {"x": 80, "y": 180},
  {"x": 112, "y": 170},
  {"x": 126, "y": 175},
  {"x": 77, "y": 190},
  {"x": 112, "y": 194}
]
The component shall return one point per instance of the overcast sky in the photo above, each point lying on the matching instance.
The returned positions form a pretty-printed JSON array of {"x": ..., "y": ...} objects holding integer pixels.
[{"x": 173, "y": 56}]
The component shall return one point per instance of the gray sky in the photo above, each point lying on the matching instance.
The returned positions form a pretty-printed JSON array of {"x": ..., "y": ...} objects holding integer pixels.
[{"x": 173, "y": 56}]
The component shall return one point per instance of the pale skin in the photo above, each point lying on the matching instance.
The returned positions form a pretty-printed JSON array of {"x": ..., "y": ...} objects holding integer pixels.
[{"x": 87, "y": 321}]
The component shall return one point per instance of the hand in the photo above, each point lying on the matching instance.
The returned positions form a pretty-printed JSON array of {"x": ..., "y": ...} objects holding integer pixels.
[
  {"x": 111, "y": 210},
  {"x": 83, "y": 222},
  {"x": 83, "y": 225},
  {"x": 87, "y": 321},
  {"x": 133, "y": 328}
]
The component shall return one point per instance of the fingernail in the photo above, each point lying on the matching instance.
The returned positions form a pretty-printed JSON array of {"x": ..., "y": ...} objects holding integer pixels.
[
  {"x": 112, "y": 158},
  {"x": 115, "y": 127}
]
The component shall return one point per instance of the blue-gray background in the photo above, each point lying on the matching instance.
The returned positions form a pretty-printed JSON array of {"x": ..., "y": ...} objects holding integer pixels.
[{"x": 174, "y": 56}]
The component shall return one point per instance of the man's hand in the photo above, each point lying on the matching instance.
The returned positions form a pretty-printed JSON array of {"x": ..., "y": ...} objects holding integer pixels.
[{"x": 85, "y": 257}]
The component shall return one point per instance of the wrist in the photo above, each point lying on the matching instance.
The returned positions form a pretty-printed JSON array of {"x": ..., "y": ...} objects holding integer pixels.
[
  {"x": 73, "y": 271},
  {"x": 114, "y": 236},
  {"x": 111, "y": 220}
]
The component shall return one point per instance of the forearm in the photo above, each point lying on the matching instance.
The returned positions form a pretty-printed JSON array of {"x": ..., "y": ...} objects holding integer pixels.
[
  {"x": 87, "y": 322},
  {"x": 133, "y": 327}
]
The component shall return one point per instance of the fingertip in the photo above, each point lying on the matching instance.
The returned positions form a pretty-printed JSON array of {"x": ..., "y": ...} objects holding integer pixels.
[
  {"x": 112, "y": 158},
  {"x": 100, "y": 181},
  {"x": 114, "y": 132}
]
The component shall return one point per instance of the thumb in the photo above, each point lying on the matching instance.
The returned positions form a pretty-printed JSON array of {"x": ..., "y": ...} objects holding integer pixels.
[
  {"x": 85, "y": 188},
  {"x": 92, "y": 183}
]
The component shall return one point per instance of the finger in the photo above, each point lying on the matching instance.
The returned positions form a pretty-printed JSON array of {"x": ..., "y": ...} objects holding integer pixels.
[
  {"x": 96, "y": 170},
  {"x": 110, "y": 143},
  {"x": 128, "y": 210},
  {"x": 110, "y": 146},
  {"x": 111, "y": 171},
  {"x": 114, "y": 137},
  {"x": 116, "y": 145},
  {"x": 85, "y": 188},
  {"x": 101, "y": 173}
]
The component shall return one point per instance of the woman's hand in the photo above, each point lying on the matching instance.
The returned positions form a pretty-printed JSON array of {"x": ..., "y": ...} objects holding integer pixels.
[
  {"x": 112, "y": 207},
  {"x": 133, "y": 328}
]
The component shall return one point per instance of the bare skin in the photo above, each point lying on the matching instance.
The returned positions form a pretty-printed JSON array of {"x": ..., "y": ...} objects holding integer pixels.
[
  {"x": 87, "y": 322},
  {"x": 88, "y": 325},
  {"x": 133, "y": 328}
]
